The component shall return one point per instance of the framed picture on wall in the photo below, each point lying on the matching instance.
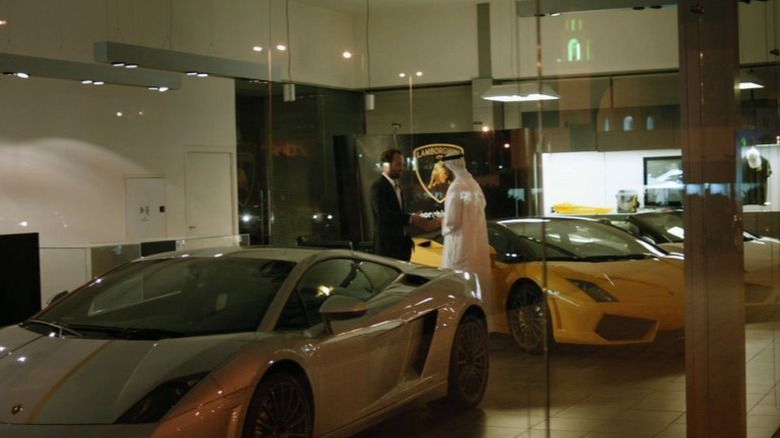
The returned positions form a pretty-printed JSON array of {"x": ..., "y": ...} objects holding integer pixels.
[{"x": 663, "y": 179}]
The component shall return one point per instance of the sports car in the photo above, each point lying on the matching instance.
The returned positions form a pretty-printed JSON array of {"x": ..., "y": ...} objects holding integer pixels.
[
  {"x": 762, "y": 269},
  {"x": 244, "y": 342},
  {"x": 576, "y": 281}
]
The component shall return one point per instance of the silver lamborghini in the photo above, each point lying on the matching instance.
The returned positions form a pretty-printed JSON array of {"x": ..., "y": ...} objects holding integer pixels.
[{"x": 244, "y": 342}]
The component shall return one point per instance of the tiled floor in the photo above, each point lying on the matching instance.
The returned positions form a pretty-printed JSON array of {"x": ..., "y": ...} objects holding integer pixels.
[{"x": 630, "y": 391}]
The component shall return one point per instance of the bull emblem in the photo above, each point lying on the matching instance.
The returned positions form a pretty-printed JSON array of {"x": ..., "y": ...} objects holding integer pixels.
[{"x": 431, "y": 172}]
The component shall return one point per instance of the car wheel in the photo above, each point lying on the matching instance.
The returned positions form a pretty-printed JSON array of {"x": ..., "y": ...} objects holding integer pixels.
[
  {"x": 527, "y": 318},
  {"x": 468, "y": 372},
  {"x": 280, "y": 407}
]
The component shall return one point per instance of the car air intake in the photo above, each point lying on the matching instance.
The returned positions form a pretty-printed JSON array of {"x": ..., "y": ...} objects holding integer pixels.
[
  {"x": 413, "y": 280},
  {"x": 619, "y": 328}
]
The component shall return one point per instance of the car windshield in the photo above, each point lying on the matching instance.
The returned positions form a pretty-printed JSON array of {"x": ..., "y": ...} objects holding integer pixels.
[
  {"x": 572, "y": 239},
  {"x": 156, "y": 299},
  {"x": 668, "y": 226}
]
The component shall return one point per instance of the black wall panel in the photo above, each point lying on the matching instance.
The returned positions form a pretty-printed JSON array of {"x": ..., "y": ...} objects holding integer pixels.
[{"x": 20, "y": 277}]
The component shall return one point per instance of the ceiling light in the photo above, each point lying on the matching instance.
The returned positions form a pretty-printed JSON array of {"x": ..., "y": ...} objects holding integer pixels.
[
  {"x": 288, "y": 92},
  {"x": 533, "y": 8},
  {"x": 183, "y": 62},
  {"x": 18, "y": 74},
  {"x": 749, "y": 81},
  {"x": 27, "y": 66},
  {"x": 520, "y": 92},
  {"x": 124, "y": 64}
]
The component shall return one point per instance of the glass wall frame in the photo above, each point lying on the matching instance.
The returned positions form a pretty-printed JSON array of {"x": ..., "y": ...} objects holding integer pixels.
[
  {"x": 624, "y": 115},
  {"x": 638, "y": 86}
]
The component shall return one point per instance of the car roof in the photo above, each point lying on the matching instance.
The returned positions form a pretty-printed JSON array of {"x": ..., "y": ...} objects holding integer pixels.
[
  {"x": 541, "y": 219},
  {"x": 293, "y": 254}
]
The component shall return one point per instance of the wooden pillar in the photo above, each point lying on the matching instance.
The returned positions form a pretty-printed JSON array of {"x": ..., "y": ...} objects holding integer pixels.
[{"x": 714, "y": 318}]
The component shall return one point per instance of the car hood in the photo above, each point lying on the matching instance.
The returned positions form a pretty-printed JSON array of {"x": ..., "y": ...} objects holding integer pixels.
[
  {"x": 762, "y": 260},
  {"x": 762, "y": 256},
  {"x": 52, "y": 380},
  {"x": 629, "y": 281}
]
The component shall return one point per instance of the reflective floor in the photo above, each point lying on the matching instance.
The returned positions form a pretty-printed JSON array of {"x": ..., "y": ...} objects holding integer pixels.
[{"x": 629, "y": 391}]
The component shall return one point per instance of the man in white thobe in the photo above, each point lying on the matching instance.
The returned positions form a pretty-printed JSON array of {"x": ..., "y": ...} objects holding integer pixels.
[{"x": 465, "y": 229}]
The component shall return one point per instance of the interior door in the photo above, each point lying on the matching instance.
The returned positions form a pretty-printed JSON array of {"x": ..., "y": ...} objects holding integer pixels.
[{"x": 210, "y": 197}]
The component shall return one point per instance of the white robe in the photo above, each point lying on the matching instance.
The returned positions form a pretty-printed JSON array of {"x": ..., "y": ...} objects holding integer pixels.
[{"x": 464, "y": 228}]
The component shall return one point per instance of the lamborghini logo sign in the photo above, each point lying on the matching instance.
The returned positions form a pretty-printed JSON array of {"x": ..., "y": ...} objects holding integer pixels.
[{"x": 430, "y": 170}]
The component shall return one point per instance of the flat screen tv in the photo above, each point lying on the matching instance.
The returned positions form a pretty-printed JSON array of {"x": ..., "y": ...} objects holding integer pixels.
[{"x": 663, "y": 181}]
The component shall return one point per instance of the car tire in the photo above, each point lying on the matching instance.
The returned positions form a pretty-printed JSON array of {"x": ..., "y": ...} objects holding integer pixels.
[
  {"x": 280, "y": 407},
  {"x": 469, "y": 364},
  {"x": 528, "y": 318}
]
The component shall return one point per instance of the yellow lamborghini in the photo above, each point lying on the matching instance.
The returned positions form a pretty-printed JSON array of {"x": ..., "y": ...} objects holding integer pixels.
[{"x": 575, "y": 281}]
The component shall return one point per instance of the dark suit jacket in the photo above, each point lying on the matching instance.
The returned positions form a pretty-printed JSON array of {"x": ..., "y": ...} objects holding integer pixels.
[{"x": 390, "y": 222}]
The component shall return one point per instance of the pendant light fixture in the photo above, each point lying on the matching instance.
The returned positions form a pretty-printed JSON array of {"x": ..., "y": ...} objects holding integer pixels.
[
  {"x": 369, "y": 98},
  {"x": 749, "y": 81},
  {"x": 520, "y": 92},
  {"x": 288, "y": 89},
  {"x": 87, "y": 73}
]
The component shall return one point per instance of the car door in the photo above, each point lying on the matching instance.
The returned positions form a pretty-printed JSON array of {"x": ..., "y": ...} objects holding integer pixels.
[{"x": 359, "y": 362}]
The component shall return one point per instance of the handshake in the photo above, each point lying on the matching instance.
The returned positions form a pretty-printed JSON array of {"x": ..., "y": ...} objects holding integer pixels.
[{"x": 425, "y": 224}]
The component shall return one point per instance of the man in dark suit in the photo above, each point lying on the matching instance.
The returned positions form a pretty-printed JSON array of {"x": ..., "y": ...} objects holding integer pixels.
[{"x": 387, "y": 204}]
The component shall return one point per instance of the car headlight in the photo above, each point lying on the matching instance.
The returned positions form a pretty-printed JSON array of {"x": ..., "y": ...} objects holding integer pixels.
[
  {"x": 598, "y": 294},
  {"x": 160, "y": 400}
]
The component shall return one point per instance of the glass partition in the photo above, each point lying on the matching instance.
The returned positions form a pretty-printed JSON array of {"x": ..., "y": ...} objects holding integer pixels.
[
  {"x": 628, "y": 154},
  {"x": 757, "y": 147},
  {"x": 596, "y": 366}
]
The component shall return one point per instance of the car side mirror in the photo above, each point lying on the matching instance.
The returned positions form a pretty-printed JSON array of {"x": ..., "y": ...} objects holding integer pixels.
[
  {"x": 56, "y": 297},
  {"x": 341, "y": 307},
  {"x": 648, "y": 239}
]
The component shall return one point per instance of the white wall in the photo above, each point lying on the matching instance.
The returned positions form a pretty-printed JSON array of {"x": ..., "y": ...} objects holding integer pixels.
[
  {"x": 514, "y": 43},
  {"x": 440, "y": 41},
  {"x": 65, "y": 153},
  {"x": 593, "y": 179}
]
